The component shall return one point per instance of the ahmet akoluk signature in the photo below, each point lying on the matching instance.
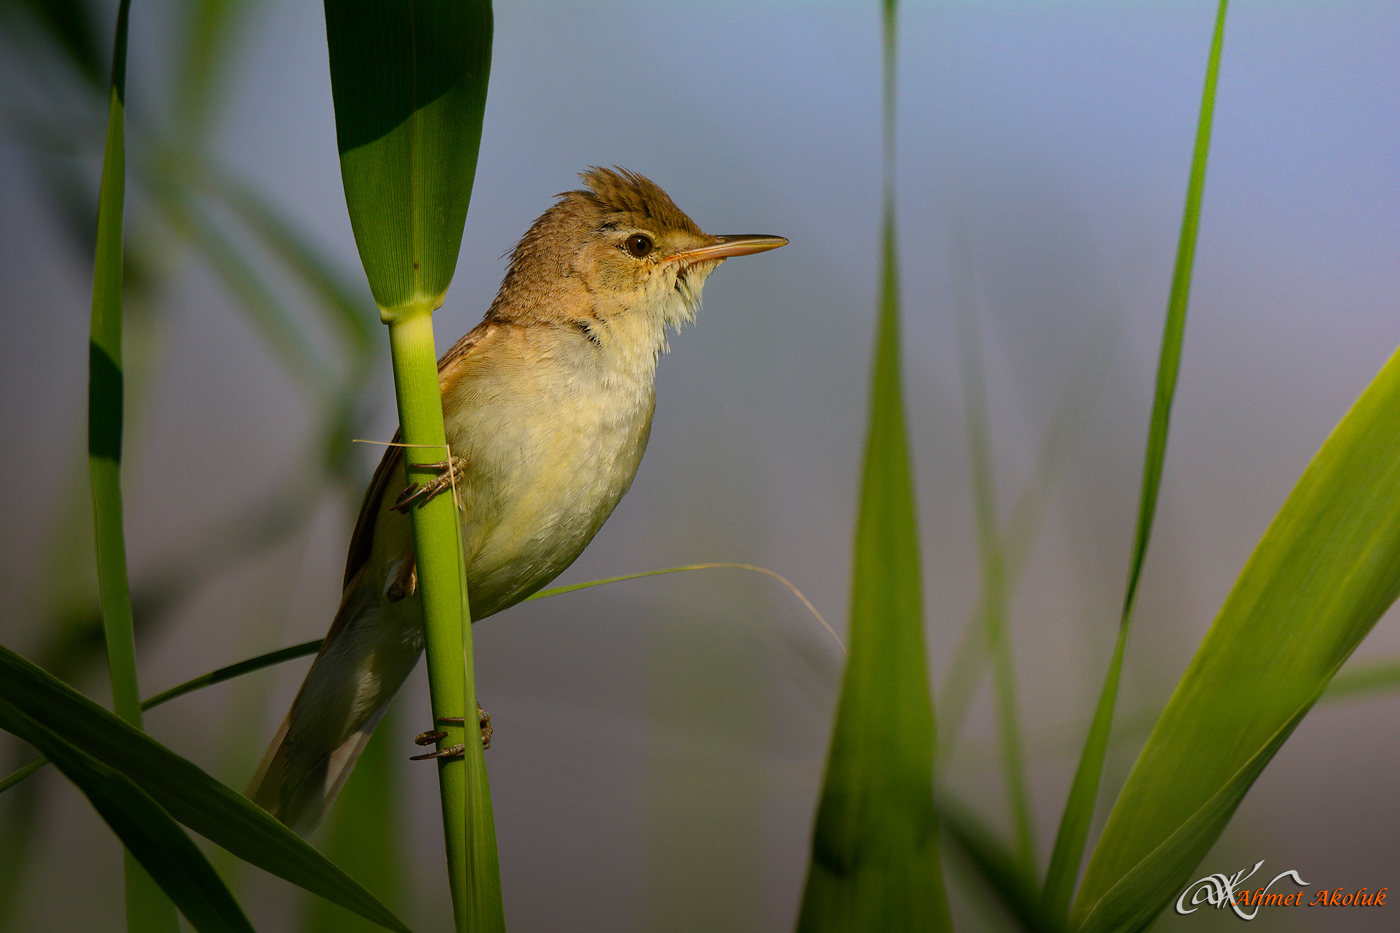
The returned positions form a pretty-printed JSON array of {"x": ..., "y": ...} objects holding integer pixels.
[{"x": 1220, "y": 891}]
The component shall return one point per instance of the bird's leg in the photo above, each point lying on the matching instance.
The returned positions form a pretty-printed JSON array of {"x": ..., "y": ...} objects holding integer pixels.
[
  {"x": 483, "y": 719},
  {"x": 418, "y": 493}
]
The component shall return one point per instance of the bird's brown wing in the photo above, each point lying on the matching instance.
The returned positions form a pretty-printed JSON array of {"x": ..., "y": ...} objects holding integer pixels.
[{"x": 362, "y": 538}]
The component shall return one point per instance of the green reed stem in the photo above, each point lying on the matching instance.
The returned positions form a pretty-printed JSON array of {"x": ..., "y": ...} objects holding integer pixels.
[{"x": 473, "y": 869}]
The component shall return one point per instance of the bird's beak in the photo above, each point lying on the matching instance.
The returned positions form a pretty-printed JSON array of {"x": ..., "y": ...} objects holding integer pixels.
[{"x": 723, "y": 247}]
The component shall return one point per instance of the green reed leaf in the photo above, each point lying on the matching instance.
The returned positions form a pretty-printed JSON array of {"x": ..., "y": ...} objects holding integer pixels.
[
  {"x": 147, "y": 909},
  {"x": 875, "y": 862},
  {"x": 1079, "y": 808},
  {"x": 409, "y": 83},
  {"x": 163, "y": 849},
  {"x": 1323, "y": 573},
  {"x": 181, "y": 788}
]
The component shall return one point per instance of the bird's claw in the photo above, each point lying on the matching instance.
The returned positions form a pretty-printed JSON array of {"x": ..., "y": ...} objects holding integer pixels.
[
  {"x": 483, "y": 719},
  {"x": 419, "y": 493}
]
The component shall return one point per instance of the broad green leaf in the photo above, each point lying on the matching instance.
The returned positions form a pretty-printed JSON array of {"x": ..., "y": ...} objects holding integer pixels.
[
  {"x": 147, "y": 910},
  {"x": 1079, "y": 808},
  {"x": 409, "y": 82},
  {"x": 875, "y": 862},
  {"x": 1136, "y": 899},
  {"x": 1324, "y": 572},
  {"x": 187, "y": 793},
  {"x": 163, "y": 849}
]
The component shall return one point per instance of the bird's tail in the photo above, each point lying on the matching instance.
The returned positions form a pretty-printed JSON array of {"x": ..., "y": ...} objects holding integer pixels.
[{"x": 370, "y": 649}]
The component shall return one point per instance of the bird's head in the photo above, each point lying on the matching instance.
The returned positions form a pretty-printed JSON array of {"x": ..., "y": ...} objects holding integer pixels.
[{"x": 617, "y": 259}]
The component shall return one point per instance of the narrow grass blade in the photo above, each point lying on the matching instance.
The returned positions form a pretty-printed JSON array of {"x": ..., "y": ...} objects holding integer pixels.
[
  {"x": 994, "y": 597},
  {"x": 573, "y": 587},
  {"x": 1079, "y": 808},
  {"x": 1324, "y": 572},
  {"x": 875, "y": 862},
  {"x": 147, "y": 910},
  {"x": 163, "y": 849},
  {"x": 408, "y": 78},
  {"x": 234, "y": 670},
  {"x": 364, "y": 833},
  {"x": 187, "y": 793},
  {"x": 22, "y": 773}
]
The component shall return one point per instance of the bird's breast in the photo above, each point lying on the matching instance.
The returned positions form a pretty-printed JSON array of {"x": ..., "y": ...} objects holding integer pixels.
[{"x": 551, "y": 448}]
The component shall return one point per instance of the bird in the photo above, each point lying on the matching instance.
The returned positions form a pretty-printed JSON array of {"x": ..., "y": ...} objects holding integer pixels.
[{"x": 547, "y": 406}]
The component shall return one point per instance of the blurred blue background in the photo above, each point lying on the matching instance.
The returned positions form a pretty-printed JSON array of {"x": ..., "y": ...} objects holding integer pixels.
[{"x": 659, "y": 744}]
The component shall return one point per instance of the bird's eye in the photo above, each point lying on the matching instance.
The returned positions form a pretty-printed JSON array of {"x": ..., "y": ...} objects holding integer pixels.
[{"x": 639, "y": 245}]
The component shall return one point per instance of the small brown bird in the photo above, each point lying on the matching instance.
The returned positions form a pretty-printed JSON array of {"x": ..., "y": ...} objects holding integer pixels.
[{"x": 548, "y": 404}]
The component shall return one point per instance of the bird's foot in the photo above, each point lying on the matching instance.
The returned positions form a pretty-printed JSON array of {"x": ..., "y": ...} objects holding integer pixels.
[
  {"x": 483, "y": 719},
  {"x": 419, "y": 493}
]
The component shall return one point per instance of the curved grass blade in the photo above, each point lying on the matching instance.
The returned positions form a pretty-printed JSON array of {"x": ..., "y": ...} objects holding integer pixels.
[
  {"x": 1323, "y": 573},
  {"x": 164, "y": 851},
  {"x": 875, "y": 862},
  {"x": 147, "y": 909},
  {"x": 409, "y": 78},
  {"x": 1079, "y": 808},
  {"x": 238, "y": 669},
  {"x": 182, "y": 789}
]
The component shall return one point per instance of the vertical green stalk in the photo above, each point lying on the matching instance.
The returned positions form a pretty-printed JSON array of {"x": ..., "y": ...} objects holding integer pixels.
[
  {"x": 147, "y": 907},
  {"x": 1079, "y": 809},
  {"x": 993, "y": 559},
  {"x": 473, "y": 869},
  {"x": 409, "y": 81}
]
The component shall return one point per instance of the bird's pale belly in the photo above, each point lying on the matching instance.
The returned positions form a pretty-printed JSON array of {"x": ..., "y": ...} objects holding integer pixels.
[{"x": 541, "y": 488}]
